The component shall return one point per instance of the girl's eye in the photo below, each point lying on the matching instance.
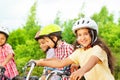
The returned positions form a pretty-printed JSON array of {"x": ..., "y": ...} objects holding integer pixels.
[
  {"x": 78, "y": 35},
  {"x": 86, "y": 33},
  {"x": 83, "y": 34},
  {"x": 2, "y": 39},
  {"x": 47, "y": 41}
]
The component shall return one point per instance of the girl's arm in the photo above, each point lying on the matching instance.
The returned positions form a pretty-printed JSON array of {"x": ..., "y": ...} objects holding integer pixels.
[
  {"x": 55, "y": 63},
  {"x": 47, "y": 59},
  {"x": 87, "y": 67},
  {"x": 8, "y": 58}
]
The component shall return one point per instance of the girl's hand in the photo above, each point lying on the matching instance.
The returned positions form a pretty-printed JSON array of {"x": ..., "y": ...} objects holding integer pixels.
[
  {"x": 77, "y": 75},
  {"x": 37, "y": 62},
  {"x": 74, "y": 67}
]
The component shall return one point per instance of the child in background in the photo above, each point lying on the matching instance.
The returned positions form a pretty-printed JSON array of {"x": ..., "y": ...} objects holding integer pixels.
[
  {"x": 47, "y": 48},
  {"x": 93, "y": 55},
  {"x": 7, "y": 54},
  {"x": 61, "y": 48}
]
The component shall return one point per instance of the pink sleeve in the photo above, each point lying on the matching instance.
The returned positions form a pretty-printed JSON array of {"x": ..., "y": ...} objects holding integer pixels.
[{"x": 9, "y": 49}]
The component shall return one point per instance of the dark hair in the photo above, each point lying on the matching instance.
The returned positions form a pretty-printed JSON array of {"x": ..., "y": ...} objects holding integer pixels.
[
  {"x": 4, "y": 34},
  {"x": 108, "y": 52},
  {"x": 40, "y": 37},
  {"x": 57, "y": 34},
  {"x": 103, "y": 46}
]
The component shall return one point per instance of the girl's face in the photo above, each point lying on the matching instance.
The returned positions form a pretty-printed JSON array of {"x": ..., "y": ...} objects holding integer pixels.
[
  {"x": 49, "y": 42},
  {"x": 2, "y": 39},
  {"x": 43, "y": 44},
  {"x": 83, "y": 37}
]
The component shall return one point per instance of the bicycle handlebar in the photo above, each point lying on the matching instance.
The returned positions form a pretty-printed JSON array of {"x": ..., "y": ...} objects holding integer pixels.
[
  {"x": 55, "y": 72},
  {"x": 31, "y": 64},
  {"x": 2, "y": 70}
]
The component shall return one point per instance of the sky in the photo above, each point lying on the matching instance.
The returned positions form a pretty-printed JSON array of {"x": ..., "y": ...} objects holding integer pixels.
[{"x": 13, "y": 13}]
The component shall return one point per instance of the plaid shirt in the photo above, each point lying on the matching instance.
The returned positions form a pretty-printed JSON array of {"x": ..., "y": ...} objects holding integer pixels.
[
  {"x": 11, "y": 70},
  {"x": 62, "y": 51}
]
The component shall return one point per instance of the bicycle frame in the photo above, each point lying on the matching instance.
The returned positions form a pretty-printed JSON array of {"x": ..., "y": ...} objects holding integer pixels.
[
  {"x": 30, "y": 64},
  {"x": 32, "y": 67},
  {"x": 57, "y": 73}
]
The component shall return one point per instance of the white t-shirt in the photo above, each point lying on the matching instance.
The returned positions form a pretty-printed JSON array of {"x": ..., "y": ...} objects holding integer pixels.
[{"x": 50, "y": 53}]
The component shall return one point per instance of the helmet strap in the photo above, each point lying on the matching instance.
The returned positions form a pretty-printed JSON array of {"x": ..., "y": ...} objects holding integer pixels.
[
  {"x": 94, "y": 37},
  {"x": 55, "y": 43},
  {"x": 47, "y": 49}
]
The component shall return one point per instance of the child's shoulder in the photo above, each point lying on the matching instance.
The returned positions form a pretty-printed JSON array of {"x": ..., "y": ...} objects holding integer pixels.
[
  {"x": 97, "y": 47},
  {"x": 65, "y": 43},
  {"x": 7, "y": 45}
]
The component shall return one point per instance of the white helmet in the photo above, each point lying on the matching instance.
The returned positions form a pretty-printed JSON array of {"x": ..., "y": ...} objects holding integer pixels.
[
  {"x": 85, "y": 23},
  {"x": 4, "y": 30}
]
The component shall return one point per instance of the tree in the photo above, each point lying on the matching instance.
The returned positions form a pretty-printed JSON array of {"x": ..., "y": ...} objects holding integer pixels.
[
  {"x": 17, "y": 37},
  {"x": 67, "y": 34},
  {"x": 57, "y": 18},
  {"x": 23, "y": 42},
  {"x": 103, "y": 16},
  {"x": 31, "y": 20},
  {"x": 27, "y": 48}
]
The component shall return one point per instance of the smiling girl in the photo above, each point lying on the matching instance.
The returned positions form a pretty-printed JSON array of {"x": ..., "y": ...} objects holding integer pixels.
[{"x": 91, "y": 54}]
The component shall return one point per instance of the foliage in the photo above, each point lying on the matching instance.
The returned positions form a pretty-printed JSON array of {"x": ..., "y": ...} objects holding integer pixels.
[
  {"x": 31, "y": 20},
  {"x": 27, "y": 48},
  {"x": 57, "y": 19},
  {"x": 17, "y": 37},
  {"x": 23, "y": 43},
  {"x": 27, "y": 51},
  {"x": 67, "y": 34},
  {"x": 109, "y": 32}
]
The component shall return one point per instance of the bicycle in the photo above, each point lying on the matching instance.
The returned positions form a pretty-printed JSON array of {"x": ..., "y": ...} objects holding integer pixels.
[
  {"x": 2, "y": 75},
  {"x": 58, "y": 74},
  {"x": 51, "y": 76},
  {"x": 28, "y": 75}
]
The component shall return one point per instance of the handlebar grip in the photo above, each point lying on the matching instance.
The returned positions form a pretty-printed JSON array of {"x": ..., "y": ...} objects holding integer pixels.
[
  {"x": 2, "y": 70},
  {"x": 31, "y": 62}
]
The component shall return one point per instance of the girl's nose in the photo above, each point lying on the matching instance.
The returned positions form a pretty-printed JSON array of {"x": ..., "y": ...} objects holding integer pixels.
[{"x": 81, "y": 38}]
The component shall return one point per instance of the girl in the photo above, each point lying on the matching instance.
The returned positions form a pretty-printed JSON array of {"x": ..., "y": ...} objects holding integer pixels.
[
  {"x": 92, "y": 54},
  {"x": 7, "y": 54}
]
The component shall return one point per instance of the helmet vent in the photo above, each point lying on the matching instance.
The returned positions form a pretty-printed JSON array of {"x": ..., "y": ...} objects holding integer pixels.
[
  {"x": 78, "y": 23},
  {"x": 83, "y": 21},
  {"x": 87, "y": 21}
]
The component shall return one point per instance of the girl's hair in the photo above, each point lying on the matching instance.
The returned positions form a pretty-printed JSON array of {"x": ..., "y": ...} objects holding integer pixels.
[
  {"x": 103, "y": 46},
  {"x": 4, "y": 34},
  {"x": 6, "y": 38},
  {"x": 58, "y": 35},
  {"x": 108, "y": 52}
]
